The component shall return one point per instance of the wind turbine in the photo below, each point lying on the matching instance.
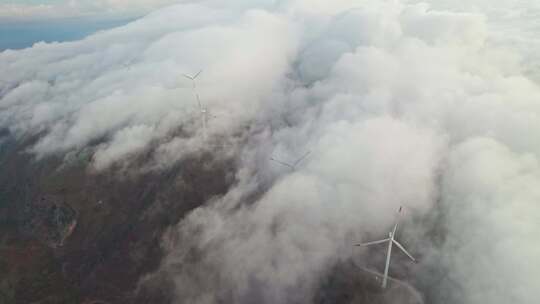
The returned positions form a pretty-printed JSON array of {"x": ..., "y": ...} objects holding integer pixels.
[
  {"x": 391, "y": 241},
  {"x": 203, "y": 110},
  {"x": 128, "y": 63},
  {"x": 193, "y": 78},
  {"x": 294, "y": 164}
]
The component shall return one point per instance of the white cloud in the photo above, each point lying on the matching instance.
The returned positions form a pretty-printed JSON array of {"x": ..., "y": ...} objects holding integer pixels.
[
  {"x": 491, "y": 194},
  {"x": 426, "y": 106}
]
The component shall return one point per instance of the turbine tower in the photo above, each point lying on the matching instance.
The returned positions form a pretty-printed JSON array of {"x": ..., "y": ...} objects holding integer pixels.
[
  {"x": 391, "y": 241},
  {"x": 294, "y": 164},
  {"x": 204, "y": 117}
]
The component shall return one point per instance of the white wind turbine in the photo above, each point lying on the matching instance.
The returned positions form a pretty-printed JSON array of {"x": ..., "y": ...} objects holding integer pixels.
[
  {"x": 391, "y": 241},
  {"x": 193, "y": 78},
  {"x": 127, "y": 65},
  {"x": 202, "y": 110},
  {"x": 293, "y": 165}
]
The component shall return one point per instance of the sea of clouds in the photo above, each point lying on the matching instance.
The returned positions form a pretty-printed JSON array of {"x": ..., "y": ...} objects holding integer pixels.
[{"x": 431, "y": 105}]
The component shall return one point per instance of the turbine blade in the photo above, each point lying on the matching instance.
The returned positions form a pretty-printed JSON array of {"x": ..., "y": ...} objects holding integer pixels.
[
  {"x": 282, "y": 163},
  {"x": 187, "y": 76},
  {"x": 397, "y": 221},
  {"x": 373, "y": 243},
  {"x": 197, "y": 75},
  {"x": 301, "y": 158},
  {"x": 404, "y": 251},
  {"x": 394, "y": 230}
]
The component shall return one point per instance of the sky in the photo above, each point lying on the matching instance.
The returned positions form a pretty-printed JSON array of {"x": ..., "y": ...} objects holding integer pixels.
[
  {"x": 23, "y": 34},
  {"x": 46, "y": 9},
  {"x": 25, "y": 22},
  {"x": 432, "y": 105}
]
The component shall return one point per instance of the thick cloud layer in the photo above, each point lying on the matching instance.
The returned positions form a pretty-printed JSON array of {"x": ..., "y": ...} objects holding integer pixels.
[{"x": 399, "y": 103}]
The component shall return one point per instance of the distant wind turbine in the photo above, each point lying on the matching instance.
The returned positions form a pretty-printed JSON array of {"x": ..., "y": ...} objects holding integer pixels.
[
  {"x": 391, "y": 241},
  {"x": 128, "y": 64},
  {"x": 202, "y": 110},
  {"x": 294, "y": 164},
  {"x": 193, "y": 78}
]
